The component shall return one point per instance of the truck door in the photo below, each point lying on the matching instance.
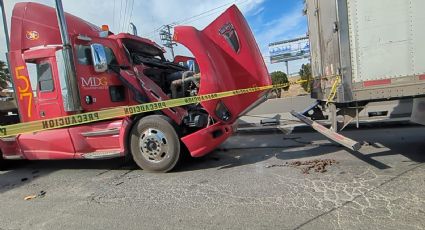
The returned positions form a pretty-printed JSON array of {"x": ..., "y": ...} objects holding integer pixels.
[
  {"x": 46, "y": 87},
  {"x": 98, "y": 90},
  {"x": 43, "y": 74}
]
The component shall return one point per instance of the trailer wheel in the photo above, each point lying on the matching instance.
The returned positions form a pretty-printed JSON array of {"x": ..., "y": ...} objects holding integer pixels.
[{"x": 154, "y": 144}]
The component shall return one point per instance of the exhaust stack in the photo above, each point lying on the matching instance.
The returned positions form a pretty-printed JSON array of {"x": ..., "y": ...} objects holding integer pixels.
[
  {"x": 71, "y": 96},
  {"x": 134, "y": 28}
]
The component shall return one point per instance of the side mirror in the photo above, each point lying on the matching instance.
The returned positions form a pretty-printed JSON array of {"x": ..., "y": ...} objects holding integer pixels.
[{"x": 99, "y": 58}]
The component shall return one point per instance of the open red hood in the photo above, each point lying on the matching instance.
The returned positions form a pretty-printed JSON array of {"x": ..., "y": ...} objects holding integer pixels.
[{"x": 229, "y": 59}]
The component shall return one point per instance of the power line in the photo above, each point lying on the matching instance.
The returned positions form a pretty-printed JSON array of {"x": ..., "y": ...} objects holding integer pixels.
[
  {"x": 216, "y": 8},
  {"x": 153, "y": 32},
  {"x": 131, "y": 13},
  {"x": 202, "y": 15},
  {"x": 119, "y": 22},
  {"x": 113, "y": 16},
  {"x": 125, "y": 13},
  {"x": 195, "y": 16},
  {"x": 191, "y": 22},
  {"x": 196, "y": 19}
]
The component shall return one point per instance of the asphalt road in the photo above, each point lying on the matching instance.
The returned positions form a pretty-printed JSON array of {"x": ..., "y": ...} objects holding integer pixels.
[{"x": 246, "y": 184}]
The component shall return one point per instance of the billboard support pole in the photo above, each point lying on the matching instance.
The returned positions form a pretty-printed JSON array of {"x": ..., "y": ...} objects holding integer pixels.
[{"x": 287, "y": 68}]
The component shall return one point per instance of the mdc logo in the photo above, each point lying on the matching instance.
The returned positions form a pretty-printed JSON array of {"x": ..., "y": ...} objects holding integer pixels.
[
  {"x": 32, "y": 35},
  {"x": 94, "y": 82}
]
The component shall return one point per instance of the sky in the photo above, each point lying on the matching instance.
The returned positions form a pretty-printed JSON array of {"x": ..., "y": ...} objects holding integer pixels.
[{"x": 270, "y": 20}]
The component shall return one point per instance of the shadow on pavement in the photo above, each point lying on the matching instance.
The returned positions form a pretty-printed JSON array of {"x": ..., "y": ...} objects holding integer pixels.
[
  {"x": 23, "y": 172},
  {"x": 385, "y": 141},
  {"x": 227, "y": 159},
  {"x": 408, "y": 142}
]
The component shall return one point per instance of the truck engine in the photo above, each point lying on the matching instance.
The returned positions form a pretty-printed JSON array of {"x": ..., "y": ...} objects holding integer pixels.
[{"x": 176, "y": 81}]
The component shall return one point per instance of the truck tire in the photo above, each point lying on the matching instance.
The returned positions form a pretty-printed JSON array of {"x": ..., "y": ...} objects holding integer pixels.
[{"x": 154, "y": 144}]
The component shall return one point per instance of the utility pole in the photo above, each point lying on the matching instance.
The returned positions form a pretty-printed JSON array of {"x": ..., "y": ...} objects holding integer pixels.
[
  {"x": 167, "y": 38},
  {"x": 6, "y": 35},
  {"x": 6, "y": 31}
]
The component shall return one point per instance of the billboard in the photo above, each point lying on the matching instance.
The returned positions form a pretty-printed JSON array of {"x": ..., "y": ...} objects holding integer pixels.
[{"x": 289, "y": 50}]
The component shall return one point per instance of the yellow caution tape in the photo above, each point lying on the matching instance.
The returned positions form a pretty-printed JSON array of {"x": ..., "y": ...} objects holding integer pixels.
[
  {"x": 334, "y": 90},
  {"x": 84, "y": 118}
]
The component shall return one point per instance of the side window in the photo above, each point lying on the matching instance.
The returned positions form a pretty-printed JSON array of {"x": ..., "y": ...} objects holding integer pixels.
[
  {"x": 84, "y": 55},
  {"x": 110, "y": 57},
  {"x": 45, "y": 77},
  {"x": 32, "y": 72},
  {"x": 41, "y": 77}
]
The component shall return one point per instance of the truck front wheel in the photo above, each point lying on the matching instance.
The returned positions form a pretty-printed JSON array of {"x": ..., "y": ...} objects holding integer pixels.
[{"x": 155, "y": 145}]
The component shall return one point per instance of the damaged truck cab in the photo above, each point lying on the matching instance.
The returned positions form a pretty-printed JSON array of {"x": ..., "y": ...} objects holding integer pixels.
[{"x": 113, "y": 70}]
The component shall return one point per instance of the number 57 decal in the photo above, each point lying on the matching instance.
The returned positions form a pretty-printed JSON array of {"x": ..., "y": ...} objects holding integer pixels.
[{"x": 24, "y": 92}]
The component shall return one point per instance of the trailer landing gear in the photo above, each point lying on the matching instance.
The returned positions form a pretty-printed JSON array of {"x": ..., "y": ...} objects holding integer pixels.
[{"x": 334, "y": 136}]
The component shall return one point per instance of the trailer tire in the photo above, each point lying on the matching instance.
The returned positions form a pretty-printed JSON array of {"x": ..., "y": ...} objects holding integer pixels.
[{"x": 154, "y": 144}]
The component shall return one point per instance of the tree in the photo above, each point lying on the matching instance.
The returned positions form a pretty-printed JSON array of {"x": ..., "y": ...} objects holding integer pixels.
[
  {"x": 279, "y": 77},
  {"x": 4, "y": 75},
  {"x": 305, "y": 74}
]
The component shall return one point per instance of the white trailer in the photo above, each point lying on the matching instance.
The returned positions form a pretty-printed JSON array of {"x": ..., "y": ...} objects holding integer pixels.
[{"x": 364, "y": 51}]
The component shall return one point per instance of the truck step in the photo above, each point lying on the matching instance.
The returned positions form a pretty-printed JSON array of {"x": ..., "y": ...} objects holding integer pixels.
[
  {"x": 13, "y": 157},
  {"x": 104, "y": 132},
  {"x": 8, "y": 139},
  {"x": 101, "y": 155}
]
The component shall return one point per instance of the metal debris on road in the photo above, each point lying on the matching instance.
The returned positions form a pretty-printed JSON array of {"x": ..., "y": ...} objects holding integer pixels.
[
  {"x": 30, "y": 197},
  {"x": 319, "y": 165},
  {"x": 39, "y": 195}
]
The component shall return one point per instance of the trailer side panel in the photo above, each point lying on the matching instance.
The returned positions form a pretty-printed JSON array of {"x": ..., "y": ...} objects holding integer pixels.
[{"x": 385, "y": 49}]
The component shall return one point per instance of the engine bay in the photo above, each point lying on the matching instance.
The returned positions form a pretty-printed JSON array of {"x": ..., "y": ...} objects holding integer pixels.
[{"x": 176, "y": 81}]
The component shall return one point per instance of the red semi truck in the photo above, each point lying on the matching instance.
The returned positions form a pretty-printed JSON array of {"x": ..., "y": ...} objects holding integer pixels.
[{"x": 63, "y": 65}]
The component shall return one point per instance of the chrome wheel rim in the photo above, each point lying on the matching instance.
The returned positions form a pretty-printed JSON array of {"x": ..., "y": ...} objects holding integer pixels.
[{"x": 154, "y": 145}]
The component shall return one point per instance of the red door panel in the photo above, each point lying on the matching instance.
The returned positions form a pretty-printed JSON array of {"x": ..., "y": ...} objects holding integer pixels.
[
  {"x": 42, "y": 72},
  {"x": 53, "y": 144},
  {"x": 48, "y": 88},
  {"x": 98, "y": 137}
]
